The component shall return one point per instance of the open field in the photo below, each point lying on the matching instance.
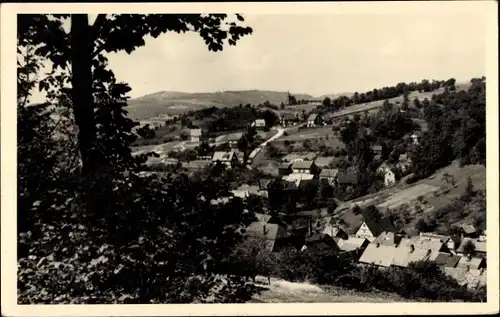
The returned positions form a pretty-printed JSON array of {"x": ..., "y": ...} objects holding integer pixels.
[
  {"x": 402, "y": 193},
  {"x": 304, "y": 134},
  {"x": 407, "y": 195},
  {"x": 281, "y": 291}
]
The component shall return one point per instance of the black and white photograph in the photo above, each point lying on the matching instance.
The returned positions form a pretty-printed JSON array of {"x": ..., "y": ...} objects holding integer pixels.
[{"x": 285, "y": 153}]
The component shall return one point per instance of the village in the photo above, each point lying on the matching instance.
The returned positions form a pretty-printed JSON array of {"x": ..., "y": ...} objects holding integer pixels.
[{"x": 290, "y": 160}]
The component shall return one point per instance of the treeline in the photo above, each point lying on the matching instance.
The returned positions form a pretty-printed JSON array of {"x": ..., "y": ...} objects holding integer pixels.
[
  {"x": 456, "y": 130},
  {"x": 229, "y": 119},
  {"x": 386, "y": 93}
]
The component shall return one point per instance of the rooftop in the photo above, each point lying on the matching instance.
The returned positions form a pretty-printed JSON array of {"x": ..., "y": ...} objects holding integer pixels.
[
  {"x": 330, "y": 173},
  {"x": 302, "y": 165}
]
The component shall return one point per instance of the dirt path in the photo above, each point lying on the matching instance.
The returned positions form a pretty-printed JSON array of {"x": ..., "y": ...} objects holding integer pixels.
[{"x": 281, "y": 291}]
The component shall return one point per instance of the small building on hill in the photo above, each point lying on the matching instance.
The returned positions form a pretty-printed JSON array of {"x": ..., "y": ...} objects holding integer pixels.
[
  {"x": 288, "y": 119},
  {"x": 313, "y": 120},
  {"x": 259, "y": 123},
  {"x": 404, "y": 163},
  {"x": 195, "y": 135},
  {"x": 229, "y": 158}
]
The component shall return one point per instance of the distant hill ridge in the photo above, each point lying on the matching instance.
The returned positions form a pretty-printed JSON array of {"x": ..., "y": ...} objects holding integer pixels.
[{"x": 175, "y": 102}]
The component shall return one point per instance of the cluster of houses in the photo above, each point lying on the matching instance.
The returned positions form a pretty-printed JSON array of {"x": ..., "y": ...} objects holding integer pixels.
[
  {"x": 291, "y": 119},
  {"x": 376, "y": 242},
  {"x": 298, "y": 167}
]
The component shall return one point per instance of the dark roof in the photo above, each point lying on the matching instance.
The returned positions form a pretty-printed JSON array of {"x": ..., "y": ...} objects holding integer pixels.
[
  {"x": 328, "y": 172},
  {"x": 347, "y": 177},
  {"x": 447, "y": 260},
  {"x": 300, "y": 223},
  {"x": 312, "y": 117},
  {"x": 285, "y": 165},
  {"x": 302, "y": 165},
  {"x": 303, "y": 183},
  {"x": 468, "y": 229},
  {"x": 383, "y": 225},
  {"x": 321, "y": 242}
]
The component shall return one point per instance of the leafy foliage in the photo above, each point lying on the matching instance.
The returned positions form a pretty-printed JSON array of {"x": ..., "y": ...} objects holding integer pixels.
[{"x": 109, "y": 235}]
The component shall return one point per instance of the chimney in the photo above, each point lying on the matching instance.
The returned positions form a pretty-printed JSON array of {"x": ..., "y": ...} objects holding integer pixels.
[
  {"x": 429, "y": 252},
  {"x": 310, "y": 227},
  {"x": 378, "y": 244},
  {"x": 264, "y": 229},
  {"x": 412, "y": 248}
]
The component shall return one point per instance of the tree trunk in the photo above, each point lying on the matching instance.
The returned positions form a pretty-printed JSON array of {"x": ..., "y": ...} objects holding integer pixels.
[{"x": 83, "y": 103}]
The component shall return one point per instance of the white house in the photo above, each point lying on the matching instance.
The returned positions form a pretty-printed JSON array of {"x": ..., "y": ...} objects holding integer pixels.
[
  {"x": 313, "y": 120},
  {"x": 415, "y": 137},
  {"x": 259, "y": 123},
  {"x": 304, "y": 167},
  {"x": 389, "y": 178},
  {"x": 195, "y": 135},
  {"x": 230, "y": 159}
]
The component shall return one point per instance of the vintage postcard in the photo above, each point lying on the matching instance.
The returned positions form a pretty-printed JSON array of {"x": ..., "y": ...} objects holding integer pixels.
[{"x": 249, "y": 158}]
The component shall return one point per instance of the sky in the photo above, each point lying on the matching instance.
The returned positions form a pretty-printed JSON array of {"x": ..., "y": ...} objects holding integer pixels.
[{"x": 314, "y": 54}]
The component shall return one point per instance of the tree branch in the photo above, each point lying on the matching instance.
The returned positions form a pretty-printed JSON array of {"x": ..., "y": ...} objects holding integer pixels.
[{"x": 98, "y": 23}]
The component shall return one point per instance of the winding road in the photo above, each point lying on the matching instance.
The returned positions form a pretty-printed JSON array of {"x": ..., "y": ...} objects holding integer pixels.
[{"x": 277, "y": 135}]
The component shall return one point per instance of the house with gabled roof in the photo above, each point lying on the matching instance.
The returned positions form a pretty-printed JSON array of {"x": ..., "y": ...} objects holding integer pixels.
[
  {"x": 324, "y": 161},
  {"x": 228, "y": 158},
  {"x": 329, "y": 175},
  {"x": 408, "y": 250},
  {"x": 450, "y": 242},
  {"x": 288, "y": 119},
  {"x": 348, "y": 177},
  {"x": 372, "y": 228},
  {"x": 285, "y": 168},
  {"x": 352, "y": 244},
  {"x": 304, "y": 167},
  {"x": 272, "y": 234},
  {"x": 313, "y": 120},
  {"x": 468, "y": 231},
  {"x": 404, "y": 162},
  {"x": 445, "y": 259},
  {"x": 335, "y": 231},
  {"x": 318, "y": 242},
  {"x": 471, "y": 263},
  {"x": 259, "y": 123}
]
